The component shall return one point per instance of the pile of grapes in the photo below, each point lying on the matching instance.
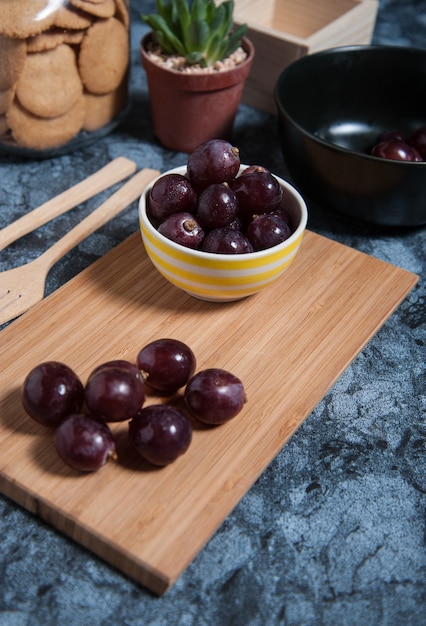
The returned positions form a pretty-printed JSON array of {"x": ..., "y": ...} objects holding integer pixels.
[
  {"x": 115, "y": 391},
  {"x": 214, "y": 208},
  {"x": 395, "y": 145}
]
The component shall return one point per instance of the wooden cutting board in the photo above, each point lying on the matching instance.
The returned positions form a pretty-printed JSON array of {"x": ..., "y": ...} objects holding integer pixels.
[{"x": 288, "y": 344}]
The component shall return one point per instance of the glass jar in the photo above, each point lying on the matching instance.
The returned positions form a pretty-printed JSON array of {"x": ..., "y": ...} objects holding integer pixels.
[{"x": 63, "y": 73}]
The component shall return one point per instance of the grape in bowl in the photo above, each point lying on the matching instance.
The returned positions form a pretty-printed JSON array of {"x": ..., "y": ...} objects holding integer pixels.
[{"x": 221, "y": 277}]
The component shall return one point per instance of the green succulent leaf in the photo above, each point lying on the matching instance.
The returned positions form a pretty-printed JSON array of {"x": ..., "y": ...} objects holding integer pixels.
[
  {"x": 201, "y": 30},
  {"x": 216, "y": 50},
  {"x": 234, "y": 40},
  {"x": 195, "y": 58},
  {"x": 218, "y": 21},
  {"x": 198, "y": 34},
  {"x": 165, "y": 10},
  {"x": 227, "y": 20},
  {"x": 199, "y": 10},
  {"x": 165, "y": 35},
  {"x": 182, "y": 19}
]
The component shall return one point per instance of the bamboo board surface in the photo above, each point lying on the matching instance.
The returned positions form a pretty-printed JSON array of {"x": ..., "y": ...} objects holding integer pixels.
[{"x": 288, "y": 344}]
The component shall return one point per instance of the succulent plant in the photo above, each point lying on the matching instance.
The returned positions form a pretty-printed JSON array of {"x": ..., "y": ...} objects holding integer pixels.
[{"x": 201, "y": 31}]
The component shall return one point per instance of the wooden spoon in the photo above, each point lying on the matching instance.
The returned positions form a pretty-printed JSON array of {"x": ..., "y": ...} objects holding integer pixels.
[{"x": 23, "y": 286}]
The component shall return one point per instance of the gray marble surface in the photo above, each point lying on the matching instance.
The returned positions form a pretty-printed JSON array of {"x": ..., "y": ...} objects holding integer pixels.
[{"x": 333, "y": 532}]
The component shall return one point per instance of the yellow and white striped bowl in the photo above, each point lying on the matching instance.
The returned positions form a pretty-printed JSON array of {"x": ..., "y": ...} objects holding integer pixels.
[{"x": 223, "y": 277}]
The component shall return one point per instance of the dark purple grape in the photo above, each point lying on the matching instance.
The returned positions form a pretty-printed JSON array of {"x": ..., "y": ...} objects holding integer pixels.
[
  {"x": 50, "y": 392},
  {"x": 114, "y": 394},
  {"x": 184, "y": 229},
  {"x": 258, "y": 192},
  {"x": 395, "y": 134},
  {"x": 122, "y": 363},
  {"x": 283, "y": 214},
  {"x": 236, "y": 224},
  {"x": 217, "y": 206},
  {"x": 214, "y": 396},
  {"x": 84, "y": 444},
  {"x": 418, "y": 141},
  {"x": 160, "y": 434},
  {"x": 166, "y": 364},
  {"x": 171, "y": 193},
  {"x": 267, "y": 230},
  {"x": 395, "y": 150},
  {"x": 254, "y": 168},
  {"x": 226, "y": 240},
  {"x": 215, "y": 161}
]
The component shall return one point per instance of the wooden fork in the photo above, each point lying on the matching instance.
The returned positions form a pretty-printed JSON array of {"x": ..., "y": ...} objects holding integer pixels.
[{"x": 23, "y": 286}]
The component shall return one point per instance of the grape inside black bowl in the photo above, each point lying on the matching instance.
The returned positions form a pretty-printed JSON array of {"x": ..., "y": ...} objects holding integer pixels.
[{"x": 332, "y": 106}]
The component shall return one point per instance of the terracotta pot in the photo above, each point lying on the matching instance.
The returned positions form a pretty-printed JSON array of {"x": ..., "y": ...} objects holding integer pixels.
[{"x": 188, "y": 109}]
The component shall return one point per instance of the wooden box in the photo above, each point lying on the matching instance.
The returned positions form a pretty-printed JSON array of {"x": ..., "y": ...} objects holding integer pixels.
[{"x": 284, "y": 30}]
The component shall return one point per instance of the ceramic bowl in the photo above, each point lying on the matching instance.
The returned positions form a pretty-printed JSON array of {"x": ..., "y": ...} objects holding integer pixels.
[
  {"x": 331, "y": 107},
  {"x": 223, "y": 277}
]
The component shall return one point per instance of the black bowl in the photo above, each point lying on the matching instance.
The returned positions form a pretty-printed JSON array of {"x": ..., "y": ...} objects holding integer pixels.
[{"x": 331, "y": 108}]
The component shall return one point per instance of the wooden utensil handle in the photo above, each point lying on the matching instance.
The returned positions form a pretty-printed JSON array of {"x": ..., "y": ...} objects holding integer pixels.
[
  {"x": 107, "y": 176},
  {"x": 130, "y": 191}
]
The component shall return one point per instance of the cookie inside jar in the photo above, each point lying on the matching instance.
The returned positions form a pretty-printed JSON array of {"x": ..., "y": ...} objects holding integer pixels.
[{"x": 64, "y": 73}]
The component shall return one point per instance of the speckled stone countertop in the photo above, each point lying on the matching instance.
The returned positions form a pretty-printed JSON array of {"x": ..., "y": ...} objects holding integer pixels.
[{"x": 333, "y": 532}]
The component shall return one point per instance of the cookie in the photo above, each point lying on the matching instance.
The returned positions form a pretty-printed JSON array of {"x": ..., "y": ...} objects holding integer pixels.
[
  {"x": 12, "y": 59},
  {"x": 49, "y": 84},
  {"x": 4, "y": 126},
  {"x": 53, "y": 38},
  {"x": 122, "y": 12},
  {"x": 100, "y": 110},
  {"x": 6, "y": 98},
  {"x": 103, "y": 9},
  {"x": 25, "y": 18},
  {"x": 69, "y": 18},
  {"x": 63, "y": 68},
  {"x": 39, "y": 133},
  {"x": 104, "y": 56}
]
